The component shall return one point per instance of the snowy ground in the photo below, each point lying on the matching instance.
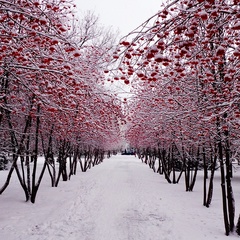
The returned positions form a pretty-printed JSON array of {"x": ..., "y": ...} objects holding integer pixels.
[{"x": 121, "y": 199}]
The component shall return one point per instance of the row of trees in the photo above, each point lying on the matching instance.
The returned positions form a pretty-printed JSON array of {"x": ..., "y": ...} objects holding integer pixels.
[
  {"x": 183, "y": 65},
  {"x": 52, "y": 95}
]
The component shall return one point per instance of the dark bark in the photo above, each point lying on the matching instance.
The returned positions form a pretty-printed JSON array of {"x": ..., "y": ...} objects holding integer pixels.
[
  {"x": 205, "y": 177},
  {"x": 49, "y": 158},
  {"x": 27, "y": 163},
  {"x": 35, "y": 156},
  {"x": 194, "y": 177},
  {"x": 163, "y": 155},
  {"x": 36, "y": 187},
  {"x": 223, "y": 187},
  {"x": 210, "y": 188},
  {"x": 230, "y": 197},
  {"x": 73, "y": 164},
  {"x": 187, "y": 175},
  {"x": 238, "y": 226},
  {"x": 64, "y": 150},
  {"x": 17, "y": 153}
]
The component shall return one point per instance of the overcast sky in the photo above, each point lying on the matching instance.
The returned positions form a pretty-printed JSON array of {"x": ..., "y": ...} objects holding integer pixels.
[{"x": 124, "y": 15}]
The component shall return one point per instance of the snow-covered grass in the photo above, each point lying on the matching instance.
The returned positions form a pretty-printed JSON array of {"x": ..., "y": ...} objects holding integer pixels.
[{"x": 120, "y": 199}]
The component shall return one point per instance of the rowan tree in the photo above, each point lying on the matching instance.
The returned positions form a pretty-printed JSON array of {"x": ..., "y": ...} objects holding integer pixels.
[
  {"x": 49, "y": 87},
  {"x": 188, "y": 54}
]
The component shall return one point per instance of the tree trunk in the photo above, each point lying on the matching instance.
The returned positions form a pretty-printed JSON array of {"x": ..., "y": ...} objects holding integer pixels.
[
  {"x": 35, "y": 156},
  {"x": 194, "y": 177},
  {"x": 73, "y": 165},
  {"x": 205, "y": 177},
  {"x": 225, "y": 209},
  {"x": 164, "y": 167},
  {"x": 210, "y": 188},
  {"x": 230, "y": 197}
]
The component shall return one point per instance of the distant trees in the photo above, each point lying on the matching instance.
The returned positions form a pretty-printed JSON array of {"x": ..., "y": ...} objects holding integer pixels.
[
  {"x": 183, "y": 65},
  {"x": 52, "y": 98}
]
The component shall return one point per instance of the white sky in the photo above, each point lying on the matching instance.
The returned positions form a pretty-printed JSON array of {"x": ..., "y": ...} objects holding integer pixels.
[{"x": 124, "y": 15}]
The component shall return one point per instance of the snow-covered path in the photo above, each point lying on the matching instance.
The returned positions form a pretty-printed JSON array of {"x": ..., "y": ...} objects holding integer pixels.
[
  {"x": 124, "y": 204},
  {"x": 115, "y": 202},
  {"x": 121, "y": 199}
]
